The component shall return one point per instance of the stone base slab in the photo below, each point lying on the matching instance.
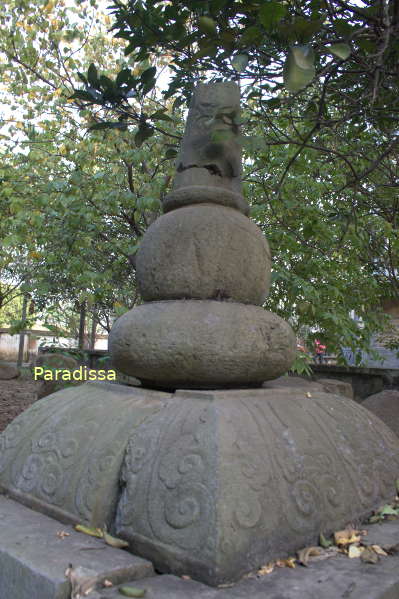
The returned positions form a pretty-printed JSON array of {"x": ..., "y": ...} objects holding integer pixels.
[
  {"x": 33, "y": 558},
  {"x": 335, "y": 578},
  {"x": 39, "y": 574}
]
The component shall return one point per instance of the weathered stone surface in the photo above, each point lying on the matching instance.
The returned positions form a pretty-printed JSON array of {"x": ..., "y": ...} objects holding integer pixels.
[
  {"x": 385, "y": 405},
  {"x": 209, "y": 163},
  {"x": 52, "y": 361},
  {"x": 45, "y": 388},
  {"x": 33, "y": 558},
  {"x": 33, "y": 561},
  {"x": 8, "y": 371},
  {"x": 204, "y": 252},
  {"x": 206, "y": 483},
  {"x": 200, "y": 194},
  {"x": 221, "y": 482},
  {"x": 335, "y": 578},
  {"x": 63, "y": 454},
  {"x": 336, "y": 386},
  {"x": 294, "y": 382},
  {"x": 201, "y": 343},
  {"x": 56, "y": 360}
]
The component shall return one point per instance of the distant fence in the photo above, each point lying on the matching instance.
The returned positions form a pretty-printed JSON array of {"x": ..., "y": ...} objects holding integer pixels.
[{"x": 34, "y": 340}]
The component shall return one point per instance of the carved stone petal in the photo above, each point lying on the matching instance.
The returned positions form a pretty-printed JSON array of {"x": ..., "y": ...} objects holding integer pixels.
[
  {"x": 63, "y": 455},
  {"x": 234, "y": 479}
]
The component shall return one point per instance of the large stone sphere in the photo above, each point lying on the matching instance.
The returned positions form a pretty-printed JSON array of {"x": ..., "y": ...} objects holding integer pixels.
[
  {"x": 201, "y": 344},
  {"x": 204, "y": 252}
]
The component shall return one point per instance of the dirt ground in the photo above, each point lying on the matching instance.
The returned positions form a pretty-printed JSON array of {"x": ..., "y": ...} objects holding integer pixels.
[{"x": 15, "y": 396}]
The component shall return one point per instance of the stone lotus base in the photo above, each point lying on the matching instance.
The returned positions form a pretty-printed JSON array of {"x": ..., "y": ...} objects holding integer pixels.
[
  {"x": 210, "y": 484},
  {"x": 201, "y": 344}
]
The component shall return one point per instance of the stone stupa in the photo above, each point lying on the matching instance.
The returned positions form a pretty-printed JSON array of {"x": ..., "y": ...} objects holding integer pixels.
[
  {"x": 203, "y": 270},
  {"x": 204, "y": 469}
]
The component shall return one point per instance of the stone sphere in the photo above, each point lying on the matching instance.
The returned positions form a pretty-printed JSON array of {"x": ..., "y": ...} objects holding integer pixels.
[
  {"x": 204, "y": 251},
  {"x": 201, "y": 344}
]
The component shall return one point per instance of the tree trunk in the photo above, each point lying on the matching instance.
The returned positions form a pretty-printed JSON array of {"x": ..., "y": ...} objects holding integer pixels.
[
  {"x": 82, "y": 321},
  {"x": 93, "y": 329},
  {"x": 22, "y": 333}
]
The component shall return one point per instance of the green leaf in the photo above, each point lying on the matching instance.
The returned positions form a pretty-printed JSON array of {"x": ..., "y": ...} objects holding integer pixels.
[
  {"x": 295, "y": 77},
  {"x": 207, "y": 25},
  {"x": 148, "y": 74},
  {"x": 252, "y": 35},
  {"x": 142, "y": 134},
  {"x": 109, "y": 125},
  {"x": 273, "y": 103},
  {"x": 324, "y": 542},
  {"x": 208, "y": 50},
  {"x": 80, "y": 94},
  {"x": 270, "y": 13},
  {"x": 170, "y": 153},
  {"x": 106, "y": 82},
  {"x": 123, "y": 77},
  {"x": 82, "y": 78},
  {"x": 388, "y": 510},
  {"x": 131, "y": 591},
  {"x": 303, "y": 56},
  {"x": 92, "y": 75},
  {"x": 240, "y": 62},
  {"x": 340, "y": 50},
  {"x": 160, "y": 115}
]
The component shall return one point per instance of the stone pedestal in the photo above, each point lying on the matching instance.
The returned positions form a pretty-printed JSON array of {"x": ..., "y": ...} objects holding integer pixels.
[
  {"x": 204, "y": 482},
  {"x": 211, "y": 484}
]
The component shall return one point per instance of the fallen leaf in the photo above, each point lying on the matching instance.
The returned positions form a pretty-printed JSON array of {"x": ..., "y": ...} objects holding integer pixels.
[
  {"x": 324, "y": 542},
  {"x": 266, "y": 569},
  {"x": 185, "y": 577},
  {"x": 379, "y": 550},
  {"x": 131, "y": 591},
  {"x": 326, "y": 554},
  {"x": 279, "y": 563},
  {"x": 93, "y": 532},
  {"x": 369, "y": 556},
  {"x": 227, "y": 585},
  {"x": 388, "y": 510},
  {"x": 286, "y": 563},
  {"x": 355, "y": 551},
  {"x": 107, "y": 583},
  {"x": 374, "y": 519},
  {"x": 306, "y": 553},
  {"x": 308, "y": 394},
  {"x": 83, "y": 581},
  {"x": 347, "y": 536},
  {"x": 290, "y": 562},
  {"x": 61, "y": 534},
  {"x": 114, "y": 541}
]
